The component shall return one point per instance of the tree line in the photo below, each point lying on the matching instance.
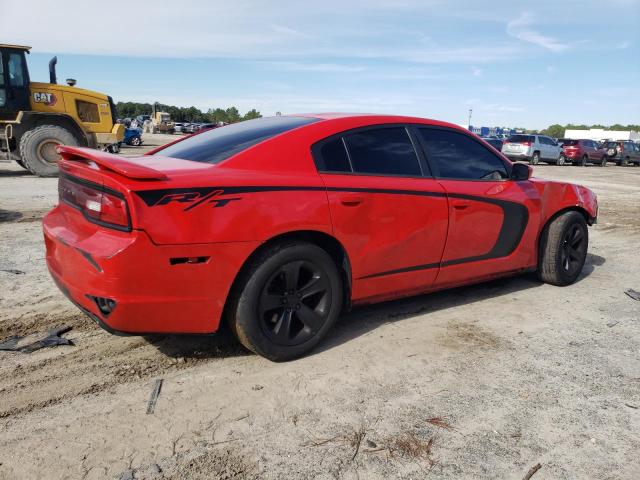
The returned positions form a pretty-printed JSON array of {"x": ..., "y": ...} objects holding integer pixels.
[
  {"x": 557, "y": 131},
  {"x": 185, "y": 114}
]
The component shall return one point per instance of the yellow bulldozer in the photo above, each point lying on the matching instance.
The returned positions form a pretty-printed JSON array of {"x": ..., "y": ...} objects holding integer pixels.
[{"x": 37, "y": 117}]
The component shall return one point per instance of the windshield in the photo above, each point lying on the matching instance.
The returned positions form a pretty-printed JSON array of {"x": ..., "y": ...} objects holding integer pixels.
[
  {"x": 520, "y": 138},
  {"x": 218, "y": 144}
]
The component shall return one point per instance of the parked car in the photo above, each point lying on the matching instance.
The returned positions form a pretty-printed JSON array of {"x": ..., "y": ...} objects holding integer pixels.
[
  {"x": 623, "y": 152},
  {"x": 222, "y": 226},
  {"x": 206, "y": 126},
  {"x": 133, "y": 136},
  {"x": 581, "y": 152},
  {"x": 191, "y": 128},
  {"x": 494, "y": 142},
  {"x": 178, "y": 127},
  {"x": 533, "y": 148}
]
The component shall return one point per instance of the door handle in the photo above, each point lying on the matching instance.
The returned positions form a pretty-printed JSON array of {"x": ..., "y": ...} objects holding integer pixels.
[
  {"x": 460, "y": 204},
  {"x": 351, "y": 200}
]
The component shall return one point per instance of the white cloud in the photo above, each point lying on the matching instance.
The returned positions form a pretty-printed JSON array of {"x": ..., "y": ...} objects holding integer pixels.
[
  {"x": 249, "y": 29},
  {"x": 520, "y": 28},
  {"x": 312, "y": 67}
]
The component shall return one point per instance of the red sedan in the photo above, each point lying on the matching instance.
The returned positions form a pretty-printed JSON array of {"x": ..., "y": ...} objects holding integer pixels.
[{"x": 276, "y": 225}]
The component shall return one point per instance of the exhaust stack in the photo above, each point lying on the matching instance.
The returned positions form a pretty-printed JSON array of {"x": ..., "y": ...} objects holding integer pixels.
[{"x": 52, "y": 70}]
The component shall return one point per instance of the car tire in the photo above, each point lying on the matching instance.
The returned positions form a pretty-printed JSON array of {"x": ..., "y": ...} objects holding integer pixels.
[
  {"x": 288, "y": 298},
  {"x": 603, "y": 161},
  {"x": 584, "y": 160},
  {"x": 535, "y": 160},
  {"x": 563, "y": 249},
  {"x": 624, "y": 161},
  {"x": 37, "y": 149},
  {"x": 561, "y": 161},
  {"x": 136, "y": 142}
]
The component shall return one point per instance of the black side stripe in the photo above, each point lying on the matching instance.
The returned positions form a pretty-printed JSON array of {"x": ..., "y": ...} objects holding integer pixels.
[{"x": 514, "y": 223}]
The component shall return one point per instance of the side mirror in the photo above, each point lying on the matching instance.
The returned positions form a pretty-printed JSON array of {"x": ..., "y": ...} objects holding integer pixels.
[{"x": 521, "y": 171}]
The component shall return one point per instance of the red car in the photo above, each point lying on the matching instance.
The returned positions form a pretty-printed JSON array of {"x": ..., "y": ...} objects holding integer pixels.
[
  {"x": 276, "y": 225},
  {"x": 581, "y": 152}
]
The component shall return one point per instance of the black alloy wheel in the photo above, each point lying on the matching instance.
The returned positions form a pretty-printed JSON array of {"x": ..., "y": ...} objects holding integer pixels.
[
  {"x": 286, "y": 300},
  {"x": 573, "y": 250},
  {"x": 295, "y": 303}
]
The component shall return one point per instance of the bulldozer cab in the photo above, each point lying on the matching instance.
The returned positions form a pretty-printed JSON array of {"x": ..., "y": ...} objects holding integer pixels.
[{"x": 14, "y": 81}]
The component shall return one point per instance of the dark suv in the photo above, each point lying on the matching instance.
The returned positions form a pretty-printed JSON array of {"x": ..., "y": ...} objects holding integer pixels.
[
  {"x": 581, "y": 152},
  {"x": 623, "y": 152}
]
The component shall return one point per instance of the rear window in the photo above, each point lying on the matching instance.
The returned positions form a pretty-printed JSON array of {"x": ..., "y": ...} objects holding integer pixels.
[
  {"x": 520, "y": 138},
  {"x": 612, "y": 144},
  {"x": 218, "y": 144},
  {"x": 569, "y": 143}
]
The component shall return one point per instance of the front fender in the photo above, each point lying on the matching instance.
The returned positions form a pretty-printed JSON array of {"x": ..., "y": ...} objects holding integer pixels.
[{"x": 559, "y": 196}]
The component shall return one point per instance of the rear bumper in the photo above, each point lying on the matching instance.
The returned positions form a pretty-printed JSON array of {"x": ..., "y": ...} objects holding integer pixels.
[
  {"x": 516, "y": 156},
  {"x": 153, "y": 292}
]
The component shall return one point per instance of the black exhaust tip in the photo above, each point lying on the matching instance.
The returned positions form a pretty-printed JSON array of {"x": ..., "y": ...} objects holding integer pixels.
[{"x": 105, "y": 305}]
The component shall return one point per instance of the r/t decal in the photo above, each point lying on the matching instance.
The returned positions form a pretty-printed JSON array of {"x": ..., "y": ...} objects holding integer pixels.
[{"x": 193, "y": 199}]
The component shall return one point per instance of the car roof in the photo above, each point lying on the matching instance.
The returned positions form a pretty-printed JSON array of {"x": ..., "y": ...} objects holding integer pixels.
[{"x": 377, "y": 118}]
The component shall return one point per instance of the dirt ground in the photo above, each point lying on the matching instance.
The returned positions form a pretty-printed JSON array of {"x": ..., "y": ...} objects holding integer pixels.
[{"x": 478, "y": 382}]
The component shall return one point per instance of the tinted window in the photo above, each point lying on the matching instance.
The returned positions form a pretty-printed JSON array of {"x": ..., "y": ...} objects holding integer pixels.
[
  {"x": 459, "y": 156},
  {"x": 520, "y": 138},
  {"x": 3, "y": 92},
  {"x": 383, "y": 151},
  {"x": 15, "y": 68},
  {"x": 569, "y": 143},
  {"x": 332, "y": 157},
  {"x": 218, "y": 144}
]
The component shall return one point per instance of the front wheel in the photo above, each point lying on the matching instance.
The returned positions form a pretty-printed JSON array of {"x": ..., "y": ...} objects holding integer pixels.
[
  {"x": 603, "y": 161},
  {"x": 563, "y": 249},
  {"x": 136, "y": 141},
  {"x": 561, "y": 161},
  {"x": 288, "y": 298},
  {"x": 38, "y": 148}
]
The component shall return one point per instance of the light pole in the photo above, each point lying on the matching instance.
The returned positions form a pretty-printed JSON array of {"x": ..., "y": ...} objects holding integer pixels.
[{"x": 470, "y": 112}]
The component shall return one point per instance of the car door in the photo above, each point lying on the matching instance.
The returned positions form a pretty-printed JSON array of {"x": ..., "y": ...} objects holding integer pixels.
[
  {"x": 493, "y": 220},
  {"x": 592, "y": 150},
  {"x": 387, "y": 210},
  {"x": 14, "y": 83}
]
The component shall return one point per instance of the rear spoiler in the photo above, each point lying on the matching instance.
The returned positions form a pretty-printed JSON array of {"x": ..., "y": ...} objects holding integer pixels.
[{"x": 109, "y": 161}]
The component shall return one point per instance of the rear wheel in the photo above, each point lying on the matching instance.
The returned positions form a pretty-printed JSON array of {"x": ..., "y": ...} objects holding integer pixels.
[
  {"x": 38, "y": 149},
  {"x": 290, "y": 297},
  {"x": 561, "y": 161},
  {"x": 563, "y": 249},
  {"x": 535, "y": 160},
  {"x": 584, "y": 160},
  {"x": 624, "y": 161}
]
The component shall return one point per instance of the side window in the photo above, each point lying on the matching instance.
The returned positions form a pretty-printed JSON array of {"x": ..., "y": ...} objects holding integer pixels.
[
  {"x": 382, "y": 151},
  {"x": 3, "y": 91},
  {"x": 15, "y": 68},
  {"x": 332, "y": 156},
  {"x": 458, "y": 156},
  {"x": 544, "y": 141},
  {"x": 88, "y": 112}
]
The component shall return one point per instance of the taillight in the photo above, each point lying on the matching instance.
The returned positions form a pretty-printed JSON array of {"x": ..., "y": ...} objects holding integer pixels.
[
  {"x": 98, "y": 204},
  {"x": 526, "y": 144}
]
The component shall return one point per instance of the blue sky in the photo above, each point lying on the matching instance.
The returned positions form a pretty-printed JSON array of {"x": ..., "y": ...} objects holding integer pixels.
[{"x": 516, "y": 63}]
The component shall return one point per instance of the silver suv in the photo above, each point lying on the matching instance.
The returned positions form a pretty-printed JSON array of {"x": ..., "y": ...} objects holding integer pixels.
[{"x": 534, "y": 148}]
